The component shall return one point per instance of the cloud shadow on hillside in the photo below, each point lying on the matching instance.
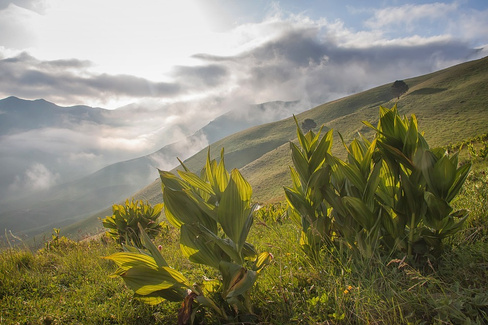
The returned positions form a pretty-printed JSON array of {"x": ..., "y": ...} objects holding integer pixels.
[{"x": 428, "y": 91}]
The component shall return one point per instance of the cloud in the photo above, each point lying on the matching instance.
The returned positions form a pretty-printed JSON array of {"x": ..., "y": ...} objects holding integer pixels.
[
  {"x": 410, "y": 15},
  {"x": 34, "y": 5},
  {"x": 14, "y": 24},
  {"x": 36, "y": 178},
  {"x": 309, "y": 62},
  {"x": 201, "y": 77},
  {"x": 70, "y": 80}
]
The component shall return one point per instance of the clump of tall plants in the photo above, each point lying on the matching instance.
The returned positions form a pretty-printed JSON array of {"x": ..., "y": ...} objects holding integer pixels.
[
  {"x": 214, "y": 213},
  {"x": 123, "y": 224},
  {"x": 390, "y": 195}
]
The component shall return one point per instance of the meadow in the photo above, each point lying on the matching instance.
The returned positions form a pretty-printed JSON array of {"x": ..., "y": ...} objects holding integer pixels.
[{"x": 67, "y": 282}]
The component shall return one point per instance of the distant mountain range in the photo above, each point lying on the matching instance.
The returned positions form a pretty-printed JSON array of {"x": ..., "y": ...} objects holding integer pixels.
[{"x": 34, "y": 165}]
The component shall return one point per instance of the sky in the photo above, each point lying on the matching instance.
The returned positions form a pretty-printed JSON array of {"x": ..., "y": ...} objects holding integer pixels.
[
  {"x": 176, "y": 65},
  {"x": 115, "y": 52}
]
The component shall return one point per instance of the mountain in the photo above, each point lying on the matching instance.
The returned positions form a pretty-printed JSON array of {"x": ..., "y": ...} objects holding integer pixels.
[
  {"x": 451, "y": 105},
  {"x": 65, "y": 203}
]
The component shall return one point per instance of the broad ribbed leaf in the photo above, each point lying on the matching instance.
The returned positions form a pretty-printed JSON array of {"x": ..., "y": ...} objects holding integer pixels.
[
  {"x": 221, "y": 174},
  {"x": 360, "y": 212},
  {"x": 261, "y": 261},
  {"x": 233, "y": 212},
  {"x": 171, "y": 218},
  {"x": 170, "y": 180},
  {"x": 318, "y": 155},
  {"x": 298, "y": 202},
  {"x": 443, "y": 176},
  {"x": 174, "y": 293},
  {"x": 237, "y": 280},
  {"x": 145, "y": 280},
  {"x": 411, "y": 138},
  {"x": 372, "y": 184},
  {"x": 195, "y": 181},
  {"x": 197, "y": 248},
  {"x": 437, "y": 207},
  {"x": 210, "y": 170},
  {"x": 127, "y": 260},
  {"x": 461, "y": 175},
  {"x": 295, "y": 178},
  {"x": 158, "y": 258},
  {"x": 396, "y": 154},
  {"x": 301, "y": 137},
  {"x": 225, "y": 244},
  {"x": 354, "y": 175},
  {"x": 453, "y": 223},
  {"x": 181, "y": 206},
  {"x": 300, "y": 163}
]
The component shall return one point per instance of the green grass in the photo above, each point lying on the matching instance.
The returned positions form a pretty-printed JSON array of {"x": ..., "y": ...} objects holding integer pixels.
[{"x": 69, "y": 282}]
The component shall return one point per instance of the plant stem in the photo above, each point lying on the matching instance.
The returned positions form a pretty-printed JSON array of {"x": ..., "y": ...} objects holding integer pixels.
[{"x": 410, "y": 235}]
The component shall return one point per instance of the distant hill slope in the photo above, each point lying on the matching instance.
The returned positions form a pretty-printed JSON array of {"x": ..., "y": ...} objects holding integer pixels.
[{"x": 451, "y": 105}]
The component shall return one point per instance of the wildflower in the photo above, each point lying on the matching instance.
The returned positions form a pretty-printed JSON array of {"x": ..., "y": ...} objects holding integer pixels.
[{"x": 160, "y": 248}]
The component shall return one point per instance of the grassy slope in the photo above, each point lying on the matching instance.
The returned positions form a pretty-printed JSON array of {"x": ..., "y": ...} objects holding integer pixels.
[
  {"x": 68, "y": 283},
  {"x": 451, "y": 105}
]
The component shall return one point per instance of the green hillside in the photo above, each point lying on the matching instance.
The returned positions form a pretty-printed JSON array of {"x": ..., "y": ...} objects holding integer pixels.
[{"x": 451, "y": 105}]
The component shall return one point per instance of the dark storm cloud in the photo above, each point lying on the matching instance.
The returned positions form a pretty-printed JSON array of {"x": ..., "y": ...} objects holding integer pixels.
[{"x": 28, "y": 77}]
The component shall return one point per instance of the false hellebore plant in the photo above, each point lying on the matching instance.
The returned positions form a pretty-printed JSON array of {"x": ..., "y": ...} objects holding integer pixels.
[
  {"x": 391, "y": 194},
  {"x": 214, "y": 214}
]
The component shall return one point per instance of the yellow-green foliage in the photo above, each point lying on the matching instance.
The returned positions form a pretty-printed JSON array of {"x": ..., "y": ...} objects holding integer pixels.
[
  {"x": 214, "y": 214},
  {"x": 123, "y": 224},
  {"x": 391, "y": 194}
]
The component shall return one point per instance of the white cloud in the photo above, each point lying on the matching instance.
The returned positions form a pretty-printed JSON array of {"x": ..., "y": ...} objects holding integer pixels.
[
  {"x": 36, "y": 178},
  {"x": 410, "y": 15},
  {"x": 471, "y": 25},
  {"x": 15, "y": 25}
]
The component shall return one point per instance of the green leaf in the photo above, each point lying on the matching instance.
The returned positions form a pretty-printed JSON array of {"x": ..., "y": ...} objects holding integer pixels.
[
  {"x": 169, "y": 180},
  {"x": 318, "y": 156},
  {"x": 301, "y": 138},
  {"x": 197, "y": 248},
  {"x": 261, "y": 261},
  {"x": 354, "y": 175},
  {"x": 461, "y": 175},
  {"x": 234, "y": 210},
  {"x": 437, "y": 207},
  {"x": 195, "y": 181},
  {"x": 174, "y": 293},
  {"x": 396, "y": 154},
  {"x": 143, "y": 280},
  {"x": 158, "y": 258},
  {"x": 221, "y": 174},
  {"x": 300, "y": 163},
  {"x": 181, "y": 206},
  {"x": 237, "y": 280},
  {"x": 411, "y": 138},
  {"x": 360, "y": 212},
  {"x": 127, "y": 260}
]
